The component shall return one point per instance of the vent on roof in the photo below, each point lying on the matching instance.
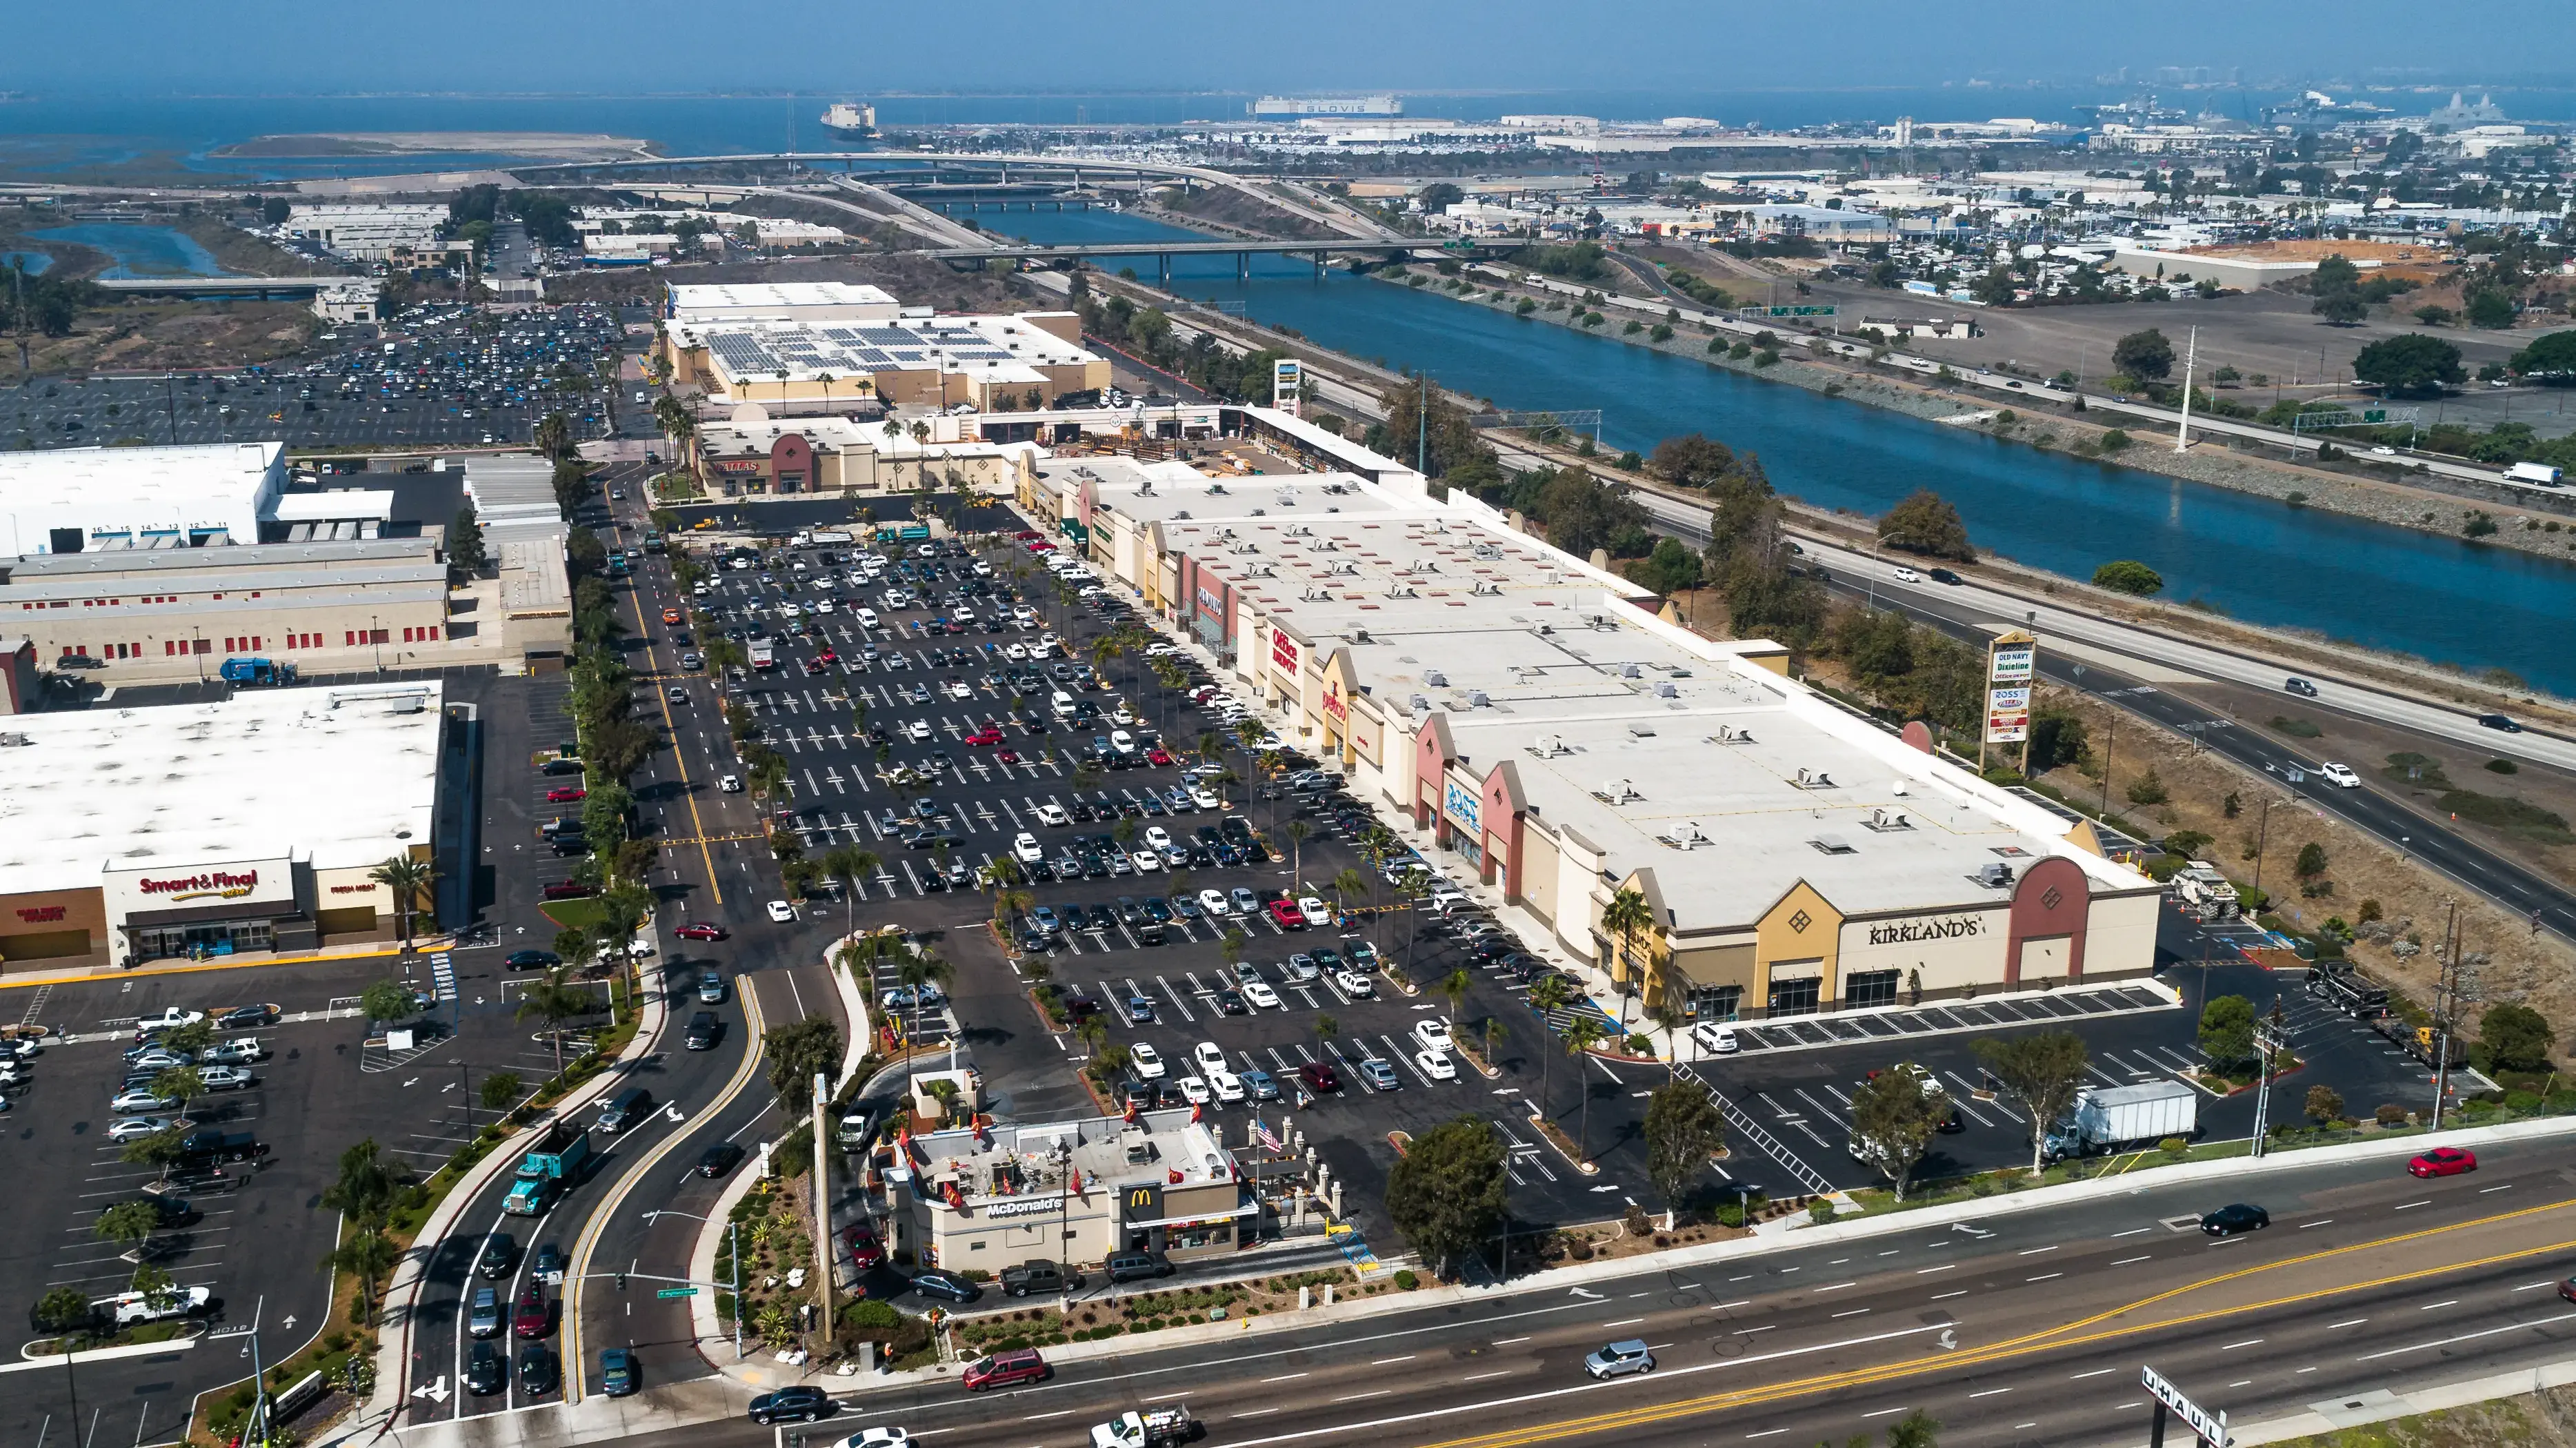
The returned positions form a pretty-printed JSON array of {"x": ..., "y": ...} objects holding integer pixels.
[
  {"x": 1815, "y": 780},
  {"x": 1667, "y": 691},
  {"x": 1833, "y": 845},
  {"x": 1418, "y": 703},
  {"x": 1435, "y": 678},
  {"x": 1361, "y": 636},
  {"x": 1997, "y": 876},
  {"x": 1401, "y": 590},
  {"x": 1551, "y": 746},
  {"x": 1618, "y": 791},
  {"x": 1484, "y": 589},
  {"x": 1631, "y": 671},
  {"x": 1641, "y": 731},
  {"x": 1216, "y": 490},
  {"x": 1687, "y": 836},
  {"x": 1476, "y": 699},
  {"x": 1882, "y": 818}
]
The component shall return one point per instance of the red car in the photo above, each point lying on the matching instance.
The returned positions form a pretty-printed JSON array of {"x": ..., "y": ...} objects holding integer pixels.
[
  {"x": 1319, "y": 1077},
  {"x": 566, "y": 794},
  {"x": 1004, "y": 1370},
  {"x": 984, "y": 736},
  {"x": 532, "y": 1315},
  {"x": 1287, "y": 914},
  {"x": 2443, "y": 1161},
  {"x": 1039, "y": 546},
  {"x": 827, "y": 658},
  {"x": 1006, "y": 756},
  {"x": 864, "y": 1248},
  {"x": 701, "y": 930},
  {"x": 1158, "y": 757}
]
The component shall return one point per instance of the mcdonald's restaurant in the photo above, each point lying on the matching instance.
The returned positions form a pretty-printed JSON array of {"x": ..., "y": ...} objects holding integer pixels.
[{"x": 1071, "y": 1191}]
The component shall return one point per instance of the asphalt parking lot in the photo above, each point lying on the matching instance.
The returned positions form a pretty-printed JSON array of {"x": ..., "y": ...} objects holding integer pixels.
[{"x": 453, "y": 377}]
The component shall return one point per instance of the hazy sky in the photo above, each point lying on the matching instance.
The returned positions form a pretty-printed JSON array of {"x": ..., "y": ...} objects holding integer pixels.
[{"x": 141, "y": 47}]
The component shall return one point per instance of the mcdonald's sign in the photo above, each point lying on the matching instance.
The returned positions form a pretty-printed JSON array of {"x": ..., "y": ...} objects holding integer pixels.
[{"x": 1142, "y": 1202}]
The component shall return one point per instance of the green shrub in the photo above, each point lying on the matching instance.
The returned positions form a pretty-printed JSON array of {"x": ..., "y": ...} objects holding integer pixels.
[
  {"x": 2173, "y": 1146},
  {"x": 1406, "y": 1280}
]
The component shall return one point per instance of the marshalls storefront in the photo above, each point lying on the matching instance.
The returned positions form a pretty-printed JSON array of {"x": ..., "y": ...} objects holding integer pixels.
[{"x": 249, "y": 826}]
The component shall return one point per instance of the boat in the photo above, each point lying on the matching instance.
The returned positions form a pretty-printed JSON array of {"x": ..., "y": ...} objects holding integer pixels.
[{"x": 853, "y": 122}]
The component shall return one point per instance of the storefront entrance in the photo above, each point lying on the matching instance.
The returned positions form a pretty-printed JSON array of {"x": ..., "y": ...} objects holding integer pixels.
[
  {"x": 208, "y": 939},
  {"x": 1795, "y": 997}
]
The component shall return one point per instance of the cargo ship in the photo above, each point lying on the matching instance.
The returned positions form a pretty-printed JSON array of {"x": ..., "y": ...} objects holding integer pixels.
[{"x": 851, "y": 122}]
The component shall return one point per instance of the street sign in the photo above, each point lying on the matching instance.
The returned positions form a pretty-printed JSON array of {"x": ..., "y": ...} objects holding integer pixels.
[
  {"x": 2210, "y": 1428},
  {"x": 677, "y": 1292}
]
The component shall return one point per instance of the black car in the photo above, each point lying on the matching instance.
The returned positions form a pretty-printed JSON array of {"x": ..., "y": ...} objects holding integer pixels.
[
  {"x": 802, "y": 1403},
  {"x": 931, "y": 1282},
  {"x": 1944, "y": 575},
  {"x": 532, "y": 960},
  {"x": 500, "y": 1254},
  {"x": 487, "y": 1371},
  {"x": 1230, "y": 1002},
  {"x": 1136, "y": 1266},
  {"x": 243, "y": 1018},
  {"x": 2500, "y": 721},
  {"x": 704, "y": 1028},
  {"x": 719, "y": 1159},
  {"x": 2229, "y": 1220},
  {"x": 539, "y": 1370}
]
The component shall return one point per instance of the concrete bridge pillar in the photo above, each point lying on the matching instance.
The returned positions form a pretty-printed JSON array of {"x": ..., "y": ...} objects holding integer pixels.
[
  {"x": 1163, "y": 265},
  {"x": 1243, "y": 266}
]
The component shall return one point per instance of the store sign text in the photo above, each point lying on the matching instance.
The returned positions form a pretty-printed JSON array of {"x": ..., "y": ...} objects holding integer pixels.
[
  {"x": 368, "y": 889},
  {"x": 1021, "y": 1206},
  {"x": 1463, "y": 804},
  {"x": 738, "y": 465},
  {"x": 213, "y": 882},
  {"x": 1907, "y": 932},
  {"x": 41, "y": 914},
  {"x": 1283, "y": 652},
  {"x": 1210, "y": 604},
  {"x": 1334, "y": 708}
]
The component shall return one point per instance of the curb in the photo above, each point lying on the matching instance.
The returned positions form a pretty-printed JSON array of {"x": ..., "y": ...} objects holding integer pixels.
[{"x": 402, "y": 1294}]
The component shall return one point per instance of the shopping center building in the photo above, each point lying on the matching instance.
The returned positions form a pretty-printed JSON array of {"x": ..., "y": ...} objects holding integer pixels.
[
  {"x": 246, "y": 826},
  {"x": 1072, "y": 1191},
  {"x": 1017, "y": 362},
  {"x": 1553, "y": 730}
]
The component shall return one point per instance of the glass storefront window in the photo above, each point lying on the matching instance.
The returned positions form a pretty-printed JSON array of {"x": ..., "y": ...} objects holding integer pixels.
[
  {"x": 1716, "y": 1002},
  {"x": 213, "y": 938},
  {"x": 1870, "y": 988},
  {"x": 1795, "y": 997}
]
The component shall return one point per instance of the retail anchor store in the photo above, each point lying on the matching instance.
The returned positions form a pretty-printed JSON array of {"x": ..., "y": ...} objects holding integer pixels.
[{"x": 215, "y": 910}]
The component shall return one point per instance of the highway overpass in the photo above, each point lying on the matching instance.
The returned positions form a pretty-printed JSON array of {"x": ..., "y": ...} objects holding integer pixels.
[{"x": 263, "y": 288}]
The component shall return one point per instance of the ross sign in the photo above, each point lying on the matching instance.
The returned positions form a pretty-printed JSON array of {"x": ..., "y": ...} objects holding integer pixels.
[
  {"x": 669, "y": 1292},
  {"x": 2014, "y": 663},
  {"x": 1285, "y": 374},
  {"x": 2008, "y": 714},
  {"x": 41, "y": 914},
  {"x": 1284, "y": 652},
  {"x": 2211, "y": 1428},
  {"x": 1463, "y": 804},
  {"x": 1907, "y": 932},
  {"x": 1021, "y": 1206}
]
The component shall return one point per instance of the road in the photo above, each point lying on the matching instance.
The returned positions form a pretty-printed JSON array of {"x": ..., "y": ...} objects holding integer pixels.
[{"x": 2014, "y": 1329}]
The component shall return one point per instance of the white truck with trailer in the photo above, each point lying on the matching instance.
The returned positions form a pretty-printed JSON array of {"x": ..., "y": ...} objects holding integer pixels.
[
  {"x": 2125, "y": 1116},
  {"x": 1152, "y": 1428}
]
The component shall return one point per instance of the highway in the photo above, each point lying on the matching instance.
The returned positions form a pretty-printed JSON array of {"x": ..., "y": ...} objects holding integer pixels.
[{"x": 2027, "y": 1328}]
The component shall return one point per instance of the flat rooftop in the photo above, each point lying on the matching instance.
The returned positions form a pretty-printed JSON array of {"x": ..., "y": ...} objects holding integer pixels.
[
  {"x": 976, "y": 1160},
  {"x": 777, "y": 296},
  {"x": 758, "y": 350},
  {"x": 102, "y": 482},
  {"x": 265, "y": 774},
  {"x": 1173, "y": 492},
  {"x": 192, "y": 562}
]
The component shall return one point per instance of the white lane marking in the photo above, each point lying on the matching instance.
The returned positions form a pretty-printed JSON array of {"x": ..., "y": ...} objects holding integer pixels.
[
  {"x": 2097, "y": 1372},
  {"x": 1928, "y": 1271},
  {"x": 2468, "y": 1337},
  {"x": 2233, "y": 1346},
  {"x": 2125, "y": 1261},
  {"x": 1990, "y": 1392}
]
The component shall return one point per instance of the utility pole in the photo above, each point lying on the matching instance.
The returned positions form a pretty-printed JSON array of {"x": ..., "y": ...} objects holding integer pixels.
[
  {"x": 2267, "y": 1042},
  {"x": 822, "y": 1213},
  {"x": 2446, "y": 999},
  {"x": 1422, "y": 430},
  {"x": 2190, "y": 361}
]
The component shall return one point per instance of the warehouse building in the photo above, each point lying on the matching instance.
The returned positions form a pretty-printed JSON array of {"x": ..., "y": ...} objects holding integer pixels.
[
  {"x": 368, "y": 232},
  {"x": 71, "y": 500},
  {"x": 809, "y": 302},
  {"x": 1551, "y": 730},
  {"x": 990, "y": 363},
  {"x": 238, "y": 828},
  {"x": 1072, "y": 1191}
]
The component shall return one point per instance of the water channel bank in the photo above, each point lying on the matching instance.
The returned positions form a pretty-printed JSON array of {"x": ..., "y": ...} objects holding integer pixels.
[{"x": 2212, "y": 460}]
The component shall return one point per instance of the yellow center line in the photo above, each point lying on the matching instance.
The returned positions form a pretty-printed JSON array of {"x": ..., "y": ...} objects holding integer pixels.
[
  {"x": 679, "y": 756},
  {"x": 588, "y": 1242},
  {"x": 2046, "y": 1340}
]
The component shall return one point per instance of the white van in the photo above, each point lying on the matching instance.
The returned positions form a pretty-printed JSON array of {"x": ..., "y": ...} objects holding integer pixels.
[
  {"x": 867, "y": 618},
  {"x": 1061, "y": 703}
]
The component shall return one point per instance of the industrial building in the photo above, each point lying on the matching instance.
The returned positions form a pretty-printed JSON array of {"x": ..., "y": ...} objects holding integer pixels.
[
  {"x": 365, "y": 232},
  {"x": 810, "y": 302},
  {"x": 69, "y": 500},
  {"x": 990, "y": 363},
  {"x": 241, "y": 827},
  {"x": 1551, "y": 729}
]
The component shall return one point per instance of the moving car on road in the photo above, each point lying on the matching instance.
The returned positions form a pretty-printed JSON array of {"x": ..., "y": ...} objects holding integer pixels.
[
  {"x": 1619, "y": 1359},
  {"x": 2443, "y": 1161},
  {"x": 2227, "y": 1221}
]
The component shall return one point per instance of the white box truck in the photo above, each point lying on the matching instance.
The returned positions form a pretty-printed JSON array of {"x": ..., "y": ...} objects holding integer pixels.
[
  {"x": 2125, "y": 1116},
  {"x": 2540, "y": 473}
]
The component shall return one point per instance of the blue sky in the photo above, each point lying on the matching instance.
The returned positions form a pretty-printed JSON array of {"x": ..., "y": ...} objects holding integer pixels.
[{"x": 130, "y": 47}]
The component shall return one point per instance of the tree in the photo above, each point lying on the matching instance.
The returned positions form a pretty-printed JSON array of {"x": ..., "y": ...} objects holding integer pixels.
[
  {"x": 1623, "y": 918},
  {"x": 1548, "y": 995},
  {"x": 465, "y": 542},
  {"x": 2043, "y": 1073},
  {"x": 917, "y": 969},
  {"x": 2324, "y": 1105},
  {"x": 1916, "y": 1429},
  {"x": 1446, "y": 1192},
  {"x": 63, "y": 1310},
  {"x": 797, "y": 1053},
  {"x": 500, "y": 1091},
  {"x": 367, "y": 1254},
  {"x": 405, "y": 878},
  {"x": 1691, "y": 461},
  {"x": 553, "y": 436},
  {"x": 2147, "y": 356},
  {"x": 554, "y": 999},
  {"x": 181, "y": 1084},
  {"x": 387, "y": 1001},
  {"x": 1581, "y": 1035},
  {"x": 2227, "y": 1031},
  {"x": 160, "y": 1151},
  {"x": 1683, "y": 1130},
  {"x": 2413, "y": 365},
  {"x": 1671, "y": 568},
  {"x": 1925, "y": 523},
  {"x": 2341, "y": 309},
  {"x": 368, "y": 1187},
  {"x": 1894, "y": 1117},
  {"x": 2550, "y": 360},
  {"x": 2517, "y": 1037},
  {"x": 2128, "y": 575},
  {"x": 2335, "y": 274},
  {"x": 1436, "y": 198},
  {"x": 128, "y": 1224},
  {"x": 2311, "y": 862},
  {"x": 1455, "y": 986},
  {"x": 2490, "y": 307}
]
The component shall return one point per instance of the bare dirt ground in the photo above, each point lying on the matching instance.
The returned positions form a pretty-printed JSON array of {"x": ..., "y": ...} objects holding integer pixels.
[
  {"x": 152, "y": 336},
  {"x": 1224, "y": 206}
]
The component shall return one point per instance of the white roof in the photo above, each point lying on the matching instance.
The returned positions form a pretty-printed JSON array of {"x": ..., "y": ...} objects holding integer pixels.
[
  {"x": 337, "y": 506},
  {"x": 850, "y": 301},
  {"x": 219, "y": 484},
  {"x": 269, "y": 773}
]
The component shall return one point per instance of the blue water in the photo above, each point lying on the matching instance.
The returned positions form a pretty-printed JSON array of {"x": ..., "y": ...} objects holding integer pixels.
[
  {"x": 140, "y": 251},
  {"x": 2440, "y": 598},
  {"x": 36, "y": 261}
]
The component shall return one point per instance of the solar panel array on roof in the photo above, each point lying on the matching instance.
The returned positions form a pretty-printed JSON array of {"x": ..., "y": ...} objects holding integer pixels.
[
  {"x": 741, "y": 354},
  {"x": 888, "y": 336}
]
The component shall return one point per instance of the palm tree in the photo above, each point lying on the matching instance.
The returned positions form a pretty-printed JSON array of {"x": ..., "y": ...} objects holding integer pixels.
[
  {"x": 1298, "y": 830},
  {"x": 554, "y": 999},
  {"x": 1325, "y": 1029},
  {"x": 367, "y": 1255},
  {"x": 1549, "y": 994},
  {"x": 405, "y": 877},
  {"x": 919, "y": 968},
  {"x": 1230, "y": 946},
  {"x": 1455, "y": 987},
  {"x": 1581, "y": 1035},
  {"x": 1349, "y": 885},
  {"x": 849, "y": 865},
  {"x": 1625, "y": 916}
]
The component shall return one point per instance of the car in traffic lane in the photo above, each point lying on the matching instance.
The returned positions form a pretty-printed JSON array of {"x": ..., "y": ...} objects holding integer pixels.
[{"x": 2443, "y": 1161}]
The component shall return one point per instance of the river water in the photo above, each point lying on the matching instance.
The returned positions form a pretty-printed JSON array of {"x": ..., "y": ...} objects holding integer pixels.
[{"x": 2443, "y": 599}]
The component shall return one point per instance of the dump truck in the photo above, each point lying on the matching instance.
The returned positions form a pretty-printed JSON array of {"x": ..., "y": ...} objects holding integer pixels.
[
  {"x": 2205, "y": 892},
  {"x": 2336, "y": 984},
  {"x": 266, "y": 672},
  {"x": 553, "y": 1165},
  {"x": 2125, "y": 1116},
  {"x": 1153, "y": 1428}
]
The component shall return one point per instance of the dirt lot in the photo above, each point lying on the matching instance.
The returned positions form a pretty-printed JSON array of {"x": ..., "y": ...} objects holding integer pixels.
[
  {"x": 151, "y": 335},
  {"x": 1227, "y": 207}
]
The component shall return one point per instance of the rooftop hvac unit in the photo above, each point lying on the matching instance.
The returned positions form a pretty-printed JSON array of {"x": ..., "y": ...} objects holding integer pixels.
[
  {"x": 1216, "y": 490},
  {"x": 1361, "y": 636},
  {"x": 1631, "y": 671},
  {"x": 1815, "y": 780},
  {"x": 1618, "y": 791},
  {"x": 1641, "y": 731},
  {"x": 1476, "y": 699},
  {"x": 1418, "y": 703},
  {"x": 1551, "y": 746},
  {"x": 1883, "y": 818},
  {"x": 1435, "y": 678},
  {"x": 1997, "y": 876},
  {"x": 1667, "y": 691}
]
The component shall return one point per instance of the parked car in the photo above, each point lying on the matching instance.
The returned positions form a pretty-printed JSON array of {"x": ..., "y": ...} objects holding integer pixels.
[
  {"x": 1137, "y": 1266},
  {"x": 932, "y": 1282},
  {"x": 1379, "y": 1074},
  {"x": 1319, "y": 1077}
]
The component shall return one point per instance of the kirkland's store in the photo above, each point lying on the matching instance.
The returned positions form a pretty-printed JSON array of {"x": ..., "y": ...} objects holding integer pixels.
[{"x": 204, "y": 831}]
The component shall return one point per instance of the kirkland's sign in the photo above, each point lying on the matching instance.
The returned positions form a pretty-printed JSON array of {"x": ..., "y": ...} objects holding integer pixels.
[{"x": 1907, "y": 932}]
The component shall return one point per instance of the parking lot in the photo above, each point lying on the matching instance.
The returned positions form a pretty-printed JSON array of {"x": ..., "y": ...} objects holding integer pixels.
[{"x": 446, "y": 376}]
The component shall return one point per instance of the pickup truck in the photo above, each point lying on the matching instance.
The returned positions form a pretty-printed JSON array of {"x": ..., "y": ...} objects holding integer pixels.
[
  {"x": 214, "y": 1146},
  {"x": 555, "y": 1163},
  {"x": 1153, "y": 1428}
]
